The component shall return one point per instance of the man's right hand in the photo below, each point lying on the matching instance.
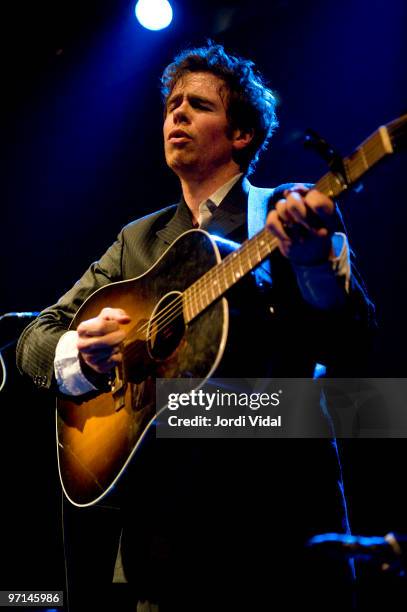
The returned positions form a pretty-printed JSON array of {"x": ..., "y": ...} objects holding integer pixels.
[{"x": 100, "y": 338}]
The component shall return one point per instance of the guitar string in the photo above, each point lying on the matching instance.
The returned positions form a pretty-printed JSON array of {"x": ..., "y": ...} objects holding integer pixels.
[
  {"x": 165, "y": 317},
  {"x": 175, "y": 307},
  {"x": 171, "y": 312},
  {"x": 227, "y": 268}
]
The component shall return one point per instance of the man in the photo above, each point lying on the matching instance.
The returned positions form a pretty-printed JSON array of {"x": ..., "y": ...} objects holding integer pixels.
[{"x": 218, "y": 117}]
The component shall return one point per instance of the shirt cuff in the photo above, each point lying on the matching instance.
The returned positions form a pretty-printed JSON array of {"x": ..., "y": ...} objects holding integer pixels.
[
  {"x": 68, "y": 372},
  {"x": 326, "y": 285}
]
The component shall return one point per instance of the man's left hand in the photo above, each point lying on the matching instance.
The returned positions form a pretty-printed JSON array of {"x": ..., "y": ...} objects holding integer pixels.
[{"x": 293, "y": 221}]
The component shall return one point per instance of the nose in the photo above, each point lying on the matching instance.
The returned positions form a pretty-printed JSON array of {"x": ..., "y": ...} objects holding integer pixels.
[{"x": 181, "y": 113}]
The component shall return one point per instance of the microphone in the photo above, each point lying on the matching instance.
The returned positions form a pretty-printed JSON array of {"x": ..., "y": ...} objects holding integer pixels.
[
  {"x": 389, "y": 551},
  {"x": 20, "y": 315}
]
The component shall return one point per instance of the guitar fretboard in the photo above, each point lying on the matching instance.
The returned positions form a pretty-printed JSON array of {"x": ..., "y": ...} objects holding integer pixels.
[{"x": 222, "y": 277}]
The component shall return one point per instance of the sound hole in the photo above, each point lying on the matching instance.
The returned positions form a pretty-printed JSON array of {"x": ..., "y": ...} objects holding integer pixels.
[{"x": 166, "y": 326}]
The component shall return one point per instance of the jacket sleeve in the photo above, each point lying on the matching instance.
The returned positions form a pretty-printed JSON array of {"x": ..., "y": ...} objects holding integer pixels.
[
  {"x": 345, "y": 337},
  {"x": 339, "y": 338},
  {"x": 36, "y": 345}
]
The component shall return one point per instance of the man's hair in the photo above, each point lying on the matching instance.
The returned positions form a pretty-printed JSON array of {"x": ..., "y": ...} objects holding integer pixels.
[{"x": 250, "y": 105}]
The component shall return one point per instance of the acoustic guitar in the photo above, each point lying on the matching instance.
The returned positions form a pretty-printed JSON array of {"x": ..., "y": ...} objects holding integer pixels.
[{"x": 182, "y": 321}]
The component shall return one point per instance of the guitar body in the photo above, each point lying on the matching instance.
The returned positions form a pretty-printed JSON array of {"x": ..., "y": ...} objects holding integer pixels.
[{"x": 98, "y": 434}]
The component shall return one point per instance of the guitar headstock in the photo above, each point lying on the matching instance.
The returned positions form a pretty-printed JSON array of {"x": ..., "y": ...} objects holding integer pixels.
[
  {"x": 386, "y": 140},
  {"x": 397, "y": 130}
]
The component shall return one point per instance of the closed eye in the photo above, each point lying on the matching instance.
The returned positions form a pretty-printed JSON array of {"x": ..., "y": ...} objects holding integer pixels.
[
  {"x": 194, "y": 101},
  {"x": 200, "y": 103}
]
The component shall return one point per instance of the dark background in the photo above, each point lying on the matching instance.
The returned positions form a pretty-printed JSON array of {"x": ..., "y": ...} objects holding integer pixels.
[{"x": 81, "y": 155}]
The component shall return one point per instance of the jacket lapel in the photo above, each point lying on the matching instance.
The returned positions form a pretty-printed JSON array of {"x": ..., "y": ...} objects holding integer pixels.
[
  {"x": 231, "y": 216},
  {"x": 177, "y": 225},
  {"x": 259, "y": 200}
]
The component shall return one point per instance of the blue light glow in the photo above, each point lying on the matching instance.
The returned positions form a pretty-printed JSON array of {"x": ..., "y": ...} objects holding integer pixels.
[
  {"x": 154, "y": 14},
  {"x": 319, "y": 370},
  {"x": 348, "y": 539},
  {"x": 226, "y": 241}
]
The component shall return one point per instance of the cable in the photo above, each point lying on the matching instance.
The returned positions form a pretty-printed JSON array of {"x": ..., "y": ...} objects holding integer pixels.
[
  {"x": 4, "y": 373},
  {"x": 7, "y": 315}
]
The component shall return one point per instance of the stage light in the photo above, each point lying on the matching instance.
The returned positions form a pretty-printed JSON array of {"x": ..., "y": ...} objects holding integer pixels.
[{"x": 154, "y": 14}]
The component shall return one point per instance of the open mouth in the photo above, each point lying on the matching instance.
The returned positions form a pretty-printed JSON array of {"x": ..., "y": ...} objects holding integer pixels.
[{"x": 178, "y": 136}]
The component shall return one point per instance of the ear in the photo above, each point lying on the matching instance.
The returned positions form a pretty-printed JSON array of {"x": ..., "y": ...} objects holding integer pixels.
[{"x": 241, "y": 138}]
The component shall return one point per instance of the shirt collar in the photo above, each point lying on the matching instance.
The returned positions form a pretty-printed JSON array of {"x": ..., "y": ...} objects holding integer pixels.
[
  {"x": 208, "y": 206},
  {"x": 217, "y": 197}
]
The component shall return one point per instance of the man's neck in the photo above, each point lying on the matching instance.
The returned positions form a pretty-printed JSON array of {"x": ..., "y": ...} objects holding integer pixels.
[{"x": 197, "y": 191}]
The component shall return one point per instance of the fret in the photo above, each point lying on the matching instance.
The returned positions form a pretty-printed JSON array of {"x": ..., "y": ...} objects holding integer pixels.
[
  {"x": 330, "y": 190},
  {"x": 231, "y": 271},
  {"x": 338, "y": 185},
  {"x": 226, "y": 276},
  {"x": 222, "y": 281},
  {"x": 242, "y": 260},
  {"x": 256, "y": 243},
  {"x": 246, "y": 264},
  {"x": 363, "y": 155},
  {"x": 195, "y": 288},
  {"x": 367, "y": 154},
  {"x": 248, "y": 260},
  {"x": 188, "y": 299},
  {"x": 186, "y": 307},
  {"x": 332, "y": 184},
  {"x": 252, "y": 256},
  {"x": 213, "y": 283},
  {"x": 356, "y": 164},
  {"x": 325, "y": 185},
  {"x": 236, "y": 265},
  {"x": 203, "y": 296},
  {"x": 373, "y": 149},
  {"x": 195, "y": 299},
  {"x": 263, "y": 248}
]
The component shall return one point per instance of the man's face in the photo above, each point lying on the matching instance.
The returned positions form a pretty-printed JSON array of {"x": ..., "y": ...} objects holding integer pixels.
[{"x": 197, "y": 141}]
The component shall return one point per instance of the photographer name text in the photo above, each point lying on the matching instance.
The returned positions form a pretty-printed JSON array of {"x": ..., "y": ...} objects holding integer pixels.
[{"x": 240, "y": 421}]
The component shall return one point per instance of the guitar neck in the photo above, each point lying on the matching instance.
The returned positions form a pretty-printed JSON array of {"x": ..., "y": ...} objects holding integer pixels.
[{"x": 223, "y": 276}]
